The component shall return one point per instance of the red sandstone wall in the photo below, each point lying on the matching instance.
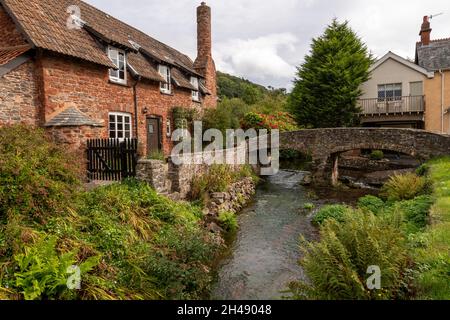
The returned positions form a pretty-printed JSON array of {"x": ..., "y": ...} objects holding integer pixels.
[
  {"x": 19, "y": 102},
  {"x": 70, "y": 82}
]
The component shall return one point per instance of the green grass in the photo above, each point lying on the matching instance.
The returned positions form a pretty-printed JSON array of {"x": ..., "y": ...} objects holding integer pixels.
[{"x": 434, "y": 256}]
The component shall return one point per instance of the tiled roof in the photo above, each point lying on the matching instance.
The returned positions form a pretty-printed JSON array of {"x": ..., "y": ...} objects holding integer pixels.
[
  {"x": 71, "y": 117},
  {"x": 45, "y": 25},
  {"x": 10, "y": 53},
  {"x": 181, "y": 80},
  {"x": 435, "y": 56}
]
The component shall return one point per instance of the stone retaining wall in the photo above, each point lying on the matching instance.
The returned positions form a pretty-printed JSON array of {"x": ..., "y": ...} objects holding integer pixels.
[{"x": 176, "y": 179}]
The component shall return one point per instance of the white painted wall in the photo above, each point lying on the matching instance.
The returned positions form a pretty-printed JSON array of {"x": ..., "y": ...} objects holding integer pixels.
[{"x": 390, "y": 71}]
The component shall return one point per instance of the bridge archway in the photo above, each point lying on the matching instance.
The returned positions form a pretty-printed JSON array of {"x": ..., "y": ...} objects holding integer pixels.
[{"x": 326, "y": 145}]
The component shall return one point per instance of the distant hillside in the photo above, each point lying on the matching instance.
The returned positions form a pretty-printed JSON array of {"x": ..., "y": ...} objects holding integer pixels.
[{"x": 235, "y": 87}]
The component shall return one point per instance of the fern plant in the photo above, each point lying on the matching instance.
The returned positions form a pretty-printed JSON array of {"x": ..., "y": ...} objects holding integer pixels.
[
  {"x": 337, "y": 265},
  {"x": 403, "y": 187}
]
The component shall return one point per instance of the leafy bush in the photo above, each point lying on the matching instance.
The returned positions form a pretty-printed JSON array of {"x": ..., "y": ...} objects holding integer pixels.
[
  {"x": 403, "y": 187},
  {"x": 415, "y": 213},
  {"x": 218, "y": 178},
  {"x": 228, "y": 221},
  {"x": 227, "y": 115},
  {"x": 37, "y": 178},
  {"x": 337, "y": 265},
  {"x": 309, "y": 206},
  {"x": 335, "y": 212},
  {"x": 377, "y": 155},
  {"x": 371, "y": 203},
  {"x": 282, "y": 121}
]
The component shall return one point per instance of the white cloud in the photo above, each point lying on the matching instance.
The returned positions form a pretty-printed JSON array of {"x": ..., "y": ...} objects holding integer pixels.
[
  {"x": 259, "y": 58},
  {"x": 264, "y": 39}
]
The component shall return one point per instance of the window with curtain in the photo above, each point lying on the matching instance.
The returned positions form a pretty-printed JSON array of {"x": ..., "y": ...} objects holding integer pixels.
[{"x": 389, "y": 92}]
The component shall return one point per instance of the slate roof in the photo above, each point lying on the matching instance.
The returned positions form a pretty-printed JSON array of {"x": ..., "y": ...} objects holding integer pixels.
[
  {"x": 44, "y": 23},
  {"x": 435, "y": 56},
  {"x": 10, "y": 53},
  {"x": 71, "y": 117}
]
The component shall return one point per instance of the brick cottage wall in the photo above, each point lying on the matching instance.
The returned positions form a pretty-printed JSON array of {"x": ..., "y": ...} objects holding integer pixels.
[
  {"x": 19, "y": 96},
  {"x": 86, "y": 86}
]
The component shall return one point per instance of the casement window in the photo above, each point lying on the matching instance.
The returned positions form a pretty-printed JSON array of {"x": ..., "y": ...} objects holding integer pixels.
[
  {"x": 119, "y": 125},
  {"x": 389, "y": 92},
  {"x": 195, "y": 93},
  {"x": 118, "y": 57},
  {"x": 168, "y": 128},
  {"x": 164, "y": 71}
]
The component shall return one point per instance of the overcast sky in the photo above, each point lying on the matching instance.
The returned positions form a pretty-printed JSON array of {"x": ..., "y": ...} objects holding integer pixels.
[{"x": 264, "y": 40}]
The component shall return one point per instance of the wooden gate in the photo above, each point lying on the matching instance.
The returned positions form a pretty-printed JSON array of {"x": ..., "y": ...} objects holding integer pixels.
[{"x": 111, "y": 159}]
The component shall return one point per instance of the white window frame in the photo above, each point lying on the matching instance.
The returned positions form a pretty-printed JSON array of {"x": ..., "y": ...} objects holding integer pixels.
[
  {"x": 164, "y": 71},
  {"x": 114, "y": 126},
  {"x": 195, "y": 93},
  {"x": 114, "y": 75}
]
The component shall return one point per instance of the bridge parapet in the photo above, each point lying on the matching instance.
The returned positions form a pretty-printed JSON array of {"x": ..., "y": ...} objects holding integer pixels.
[{"x": 325, "y": 144}]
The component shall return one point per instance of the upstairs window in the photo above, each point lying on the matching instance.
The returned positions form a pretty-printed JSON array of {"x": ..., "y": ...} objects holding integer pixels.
[
  {"x": 164, "y": 71},
  {"x": 195, "y": 93},
  {"x": 389, "y": 92},
  {"x": 118, "y": 57},
  {"x": 119, "y": 125}
]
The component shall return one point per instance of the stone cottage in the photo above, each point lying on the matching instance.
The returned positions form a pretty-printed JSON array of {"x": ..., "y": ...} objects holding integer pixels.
[{"x": 80, "y": 73}]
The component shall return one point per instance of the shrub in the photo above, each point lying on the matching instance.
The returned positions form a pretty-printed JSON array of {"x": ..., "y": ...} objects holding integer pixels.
[
  {"x": 337, "y": 265},
  {"x": 282, "y": 121},
  {"x": 228, "y": 221},
  {"x": 377, "y": 155},
  {"x": 309, "y": 206},
  {"x": 371, "y": 203},
  {"x": 335, "y": 212},
  {"x": 37, "y": 178},
  {"x": 403, "y": 187},
  {"x": 415, "y": 213}
]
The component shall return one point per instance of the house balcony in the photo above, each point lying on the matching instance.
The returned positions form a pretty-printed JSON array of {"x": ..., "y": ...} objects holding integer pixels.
[{"x": 405, "y": 111}]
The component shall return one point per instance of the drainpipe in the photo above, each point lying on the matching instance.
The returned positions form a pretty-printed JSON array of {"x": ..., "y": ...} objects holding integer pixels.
[
  {"x": 136, "y": 122},
  {"x": 442, "y": 98}
]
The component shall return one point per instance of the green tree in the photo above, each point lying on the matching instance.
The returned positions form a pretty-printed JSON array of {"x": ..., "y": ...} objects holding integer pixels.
[{"x": 327, "y": 86}]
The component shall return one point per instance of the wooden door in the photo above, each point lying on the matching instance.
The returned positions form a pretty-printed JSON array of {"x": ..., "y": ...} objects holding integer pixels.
[{"x": 153, "y": 135}]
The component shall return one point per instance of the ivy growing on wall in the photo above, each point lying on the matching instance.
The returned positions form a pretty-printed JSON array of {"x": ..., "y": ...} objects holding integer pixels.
[{"x": 184, "y": 118}]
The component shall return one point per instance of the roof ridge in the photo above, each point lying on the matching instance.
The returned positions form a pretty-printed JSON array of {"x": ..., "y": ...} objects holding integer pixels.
[
  {"x": 442, "y": 39},
  {"x": 134, "y": 28}
]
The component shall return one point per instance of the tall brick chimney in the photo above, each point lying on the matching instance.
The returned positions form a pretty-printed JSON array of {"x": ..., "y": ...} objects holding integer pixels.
[
  {"x": 204, "y": 64},
  {"x": 425, "y": 31}
]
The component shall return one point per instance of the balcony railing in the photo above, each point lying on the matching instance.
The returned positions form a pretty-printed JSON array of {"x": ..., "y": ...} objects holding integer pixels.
[{"x": 397, "y": 105}]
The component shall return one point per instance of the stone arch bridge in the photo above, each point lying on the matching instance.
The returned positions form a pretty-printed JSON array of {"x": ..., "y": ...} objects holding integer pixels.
[{"x": 325, "y": 145}]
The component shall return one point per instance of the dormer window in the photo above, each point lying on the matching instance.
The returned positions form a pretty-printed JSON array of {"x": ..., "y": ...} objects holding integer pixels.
[
  {"x": 164, "y": 71},
  {"x": 118, "y": 57},
  {"x": 195, "y": 92}
]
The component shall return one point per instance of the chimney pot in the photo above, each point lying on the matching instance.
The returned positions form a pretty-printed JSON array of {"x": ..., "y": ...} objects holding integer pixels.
[{"x": 425, "y": 31}]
